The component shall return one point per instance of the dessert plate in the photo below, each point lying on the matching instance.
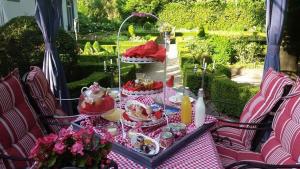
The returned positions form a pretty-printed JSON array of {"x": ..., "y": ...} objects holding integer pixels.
[
  {"x": 139, "y": 140},
  {"x": 178, "y": 98}
]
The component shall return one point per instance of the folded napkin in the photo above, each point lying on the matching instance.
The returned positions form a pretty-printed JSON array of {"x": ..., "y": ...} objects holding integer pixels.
[{"x": 151, "y": 50}]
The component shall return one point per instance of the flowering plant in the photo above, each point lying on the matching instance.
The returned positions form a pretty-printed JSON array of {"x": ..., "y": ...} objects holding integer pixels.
[{"x": 80, "y": 148}]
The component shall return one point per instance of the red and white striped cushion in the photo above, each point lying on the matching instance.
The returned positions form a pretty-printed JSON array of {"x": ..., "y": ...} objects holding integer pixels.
[
  {"x": 2, "y": 166},
  {"x": 18, "y": 122},
  {"x": 283, "y": 145},
  {"x": 44, "y": 98},
  {"x": 258, "y": 107},
  {"x": 229, "y": 156}
]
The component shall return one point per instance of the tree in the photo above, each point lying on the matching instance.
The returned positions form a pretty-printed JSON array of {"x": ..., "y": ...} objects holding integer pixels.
[{"x": 93, "y": 9}]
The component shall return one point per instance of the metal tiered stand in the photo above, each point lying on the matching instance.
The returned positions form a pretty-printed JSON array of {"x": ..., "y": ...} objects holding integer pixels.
[{"x": 140, "y": 61}]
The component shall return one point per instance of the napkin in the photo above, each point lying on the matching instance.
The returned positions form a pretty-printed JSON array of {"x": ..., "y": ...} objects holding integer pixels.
[{"x": 151, "y": 50}]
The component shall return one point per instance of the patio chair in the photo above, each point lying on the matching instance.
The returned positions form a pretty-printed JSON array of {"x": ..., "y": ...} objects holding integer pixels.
[
  {"x": 19, "y": 125},
  {"x": 281, "y": 150},
  {"x": 44, "y": 101},
  {"x": 274, "y": 86}
]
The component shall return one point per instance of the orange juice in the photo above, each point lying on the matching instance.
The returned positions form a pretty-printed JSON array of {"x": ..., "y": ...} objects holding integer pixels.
[{"x": 186, "y": 110}]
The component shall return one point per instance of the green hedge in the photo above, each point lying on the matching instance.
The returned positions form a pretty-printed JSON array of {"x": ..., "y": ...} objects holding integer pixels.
[
  {"x": 87, "y": 73},
  {"x": 216, "y": 15},
  {"x": 96, "y": 58},
  {"x": 230, "y": 97},
  {"x": 101, "y": 77}
]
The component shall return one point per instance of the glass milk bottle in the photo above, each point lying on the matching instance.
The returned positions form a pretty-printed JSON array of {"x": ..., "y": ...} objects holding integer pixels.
[
  {"x": 199, "y": 109},
  {"x": 186, "y": 108}
]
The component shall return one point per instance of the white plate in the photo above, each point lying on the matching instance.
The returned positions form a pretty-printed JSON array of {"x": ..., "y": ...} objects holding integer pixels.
[
  {"x": 145, "y": 123},
  {"x": 178, "y": 98},
  {"x": 131, "y": 115},
  {"x": 148, "y": 138}
]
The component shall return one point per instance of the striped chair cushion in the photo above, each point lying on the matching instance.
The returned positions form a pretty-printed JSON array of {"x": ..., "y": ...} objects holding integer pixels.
[
  {"x": 2, "y": 166},
  {"x": 229, "y": 155},
  {"x": 283, "y": 145},
  {"x": 258, "y": 107},
  {"x": 18, "y": 122},
  {"x": 44, "y": 98}
]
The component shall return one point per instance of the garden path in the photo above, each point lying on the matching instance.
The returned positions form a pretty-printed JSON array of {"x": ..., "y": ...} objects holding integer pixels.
[{"x": 247, "y": 75}]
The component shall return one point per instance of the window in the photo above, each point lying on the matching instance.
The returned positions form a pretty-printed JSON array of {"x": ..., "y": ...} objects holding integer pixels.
[{"x": 70, "y": 14}]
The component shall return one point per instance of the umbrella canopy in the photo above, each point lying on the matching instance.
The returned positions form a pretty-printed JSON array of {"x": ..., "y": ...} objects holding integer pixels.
[
  {"x": 48, "y": 16},
  {"x": 275, "y": 15}
]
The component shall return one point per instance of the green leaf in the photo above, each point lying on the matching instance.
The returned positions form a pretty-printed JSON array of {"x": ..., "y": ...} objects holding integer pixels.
[
  {"x": 52, "y": 161},
  {"x": 82, "y": 162}
]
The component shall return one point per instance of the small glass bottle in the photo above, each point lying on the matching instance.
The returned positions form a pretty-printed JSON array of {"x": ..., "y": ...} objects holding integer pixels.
[
  {"x": 199, "y": 109},
  {"x": 186, "y": 108}
]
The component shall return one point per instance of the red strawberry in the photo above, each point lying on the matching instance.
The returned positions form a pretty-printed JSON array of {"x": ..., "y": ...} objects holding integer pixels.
[
  {"x": 126, "y": 117},
  {"x": 170, "y": 81},
  {"x": 158, "y": 114}
]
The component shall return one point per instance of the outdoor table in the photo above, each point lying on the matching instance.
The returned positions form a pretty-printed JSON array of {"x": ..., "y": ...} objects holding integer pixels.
[{"x": 200, "y": 153}]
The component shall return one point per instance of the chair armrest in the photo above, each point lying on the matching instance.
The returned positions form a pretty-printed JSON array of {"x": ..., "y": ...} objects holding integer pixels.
[
  {"x": 14, "y": 158},
  {"x": 233, "y": 122},
  {"x": 249, "y": 164},
  {"x": 242, "y": 128},
  {"x": 59, "y": 120},
  {"x": 70, "y": 99},
  {"x": 59, "y": 117}
]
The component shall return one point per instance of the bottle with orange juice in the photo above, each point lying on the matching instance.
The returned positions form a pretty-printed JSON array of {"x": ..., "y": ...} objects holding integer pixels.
[{"x": 186, "y": 108}]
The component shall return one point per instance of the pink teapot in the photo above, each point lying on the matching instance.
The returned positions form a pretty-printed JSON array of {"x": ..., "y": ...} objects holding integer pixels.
[{"x": 95, "y": 100}]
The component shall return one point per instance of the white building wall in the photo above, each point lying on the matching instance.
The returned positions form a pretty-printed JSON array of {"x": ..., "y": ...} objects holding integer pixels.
[{"x": 18, "y": 8}]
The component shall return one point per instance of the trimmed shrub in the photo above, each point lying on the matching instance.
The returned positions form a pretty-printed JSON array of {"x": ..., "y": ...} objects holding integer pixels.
[
  {"x": 223, "y": 50},
  {"x": 86, "y": 74},
  {"x": 221, "y": 69},
  {"x": 201, "y": 33},
  {"x": 248, "y": 52},
  {"x": 96, "y": 47},
  {"x": 88, "y": 50},
  {"x": 22, "y": 45},
  {"x": 230, "y": 97},
  {"x": 101, "y": 77},
  {"x": 131, "y": 31},
  {"x": 216, "y": 15}
]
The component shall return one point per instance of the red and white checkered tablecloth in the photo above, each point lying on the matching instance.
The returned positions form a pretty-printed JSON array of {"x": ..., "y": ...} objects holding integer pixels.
[{"x": 201, "y": 153}]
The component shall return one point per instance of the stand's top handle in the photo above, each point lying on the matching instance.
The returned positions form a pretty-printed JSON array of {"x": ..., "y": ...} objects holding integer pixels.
[{"x": 140, "y": 14}]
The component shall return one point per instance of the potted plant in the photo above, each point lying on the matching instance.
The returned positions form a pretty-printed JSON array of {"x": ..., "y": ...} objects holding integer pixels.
[{"x": 77, "y": 149}]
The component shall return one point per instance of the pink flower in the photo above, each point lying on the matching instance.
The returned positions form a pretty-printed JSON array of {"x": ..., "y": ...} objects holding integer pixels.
[
  {"x": 103, "y": 141},
  {"x": 87, "y": 140},
  {"x": 51, "y": 138},
  {"x": 64, "y": 132},
  {"x": 59, "y": 148},
  {"x": 77, "y": 148},
  {"x": 90, "y": 131}
]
